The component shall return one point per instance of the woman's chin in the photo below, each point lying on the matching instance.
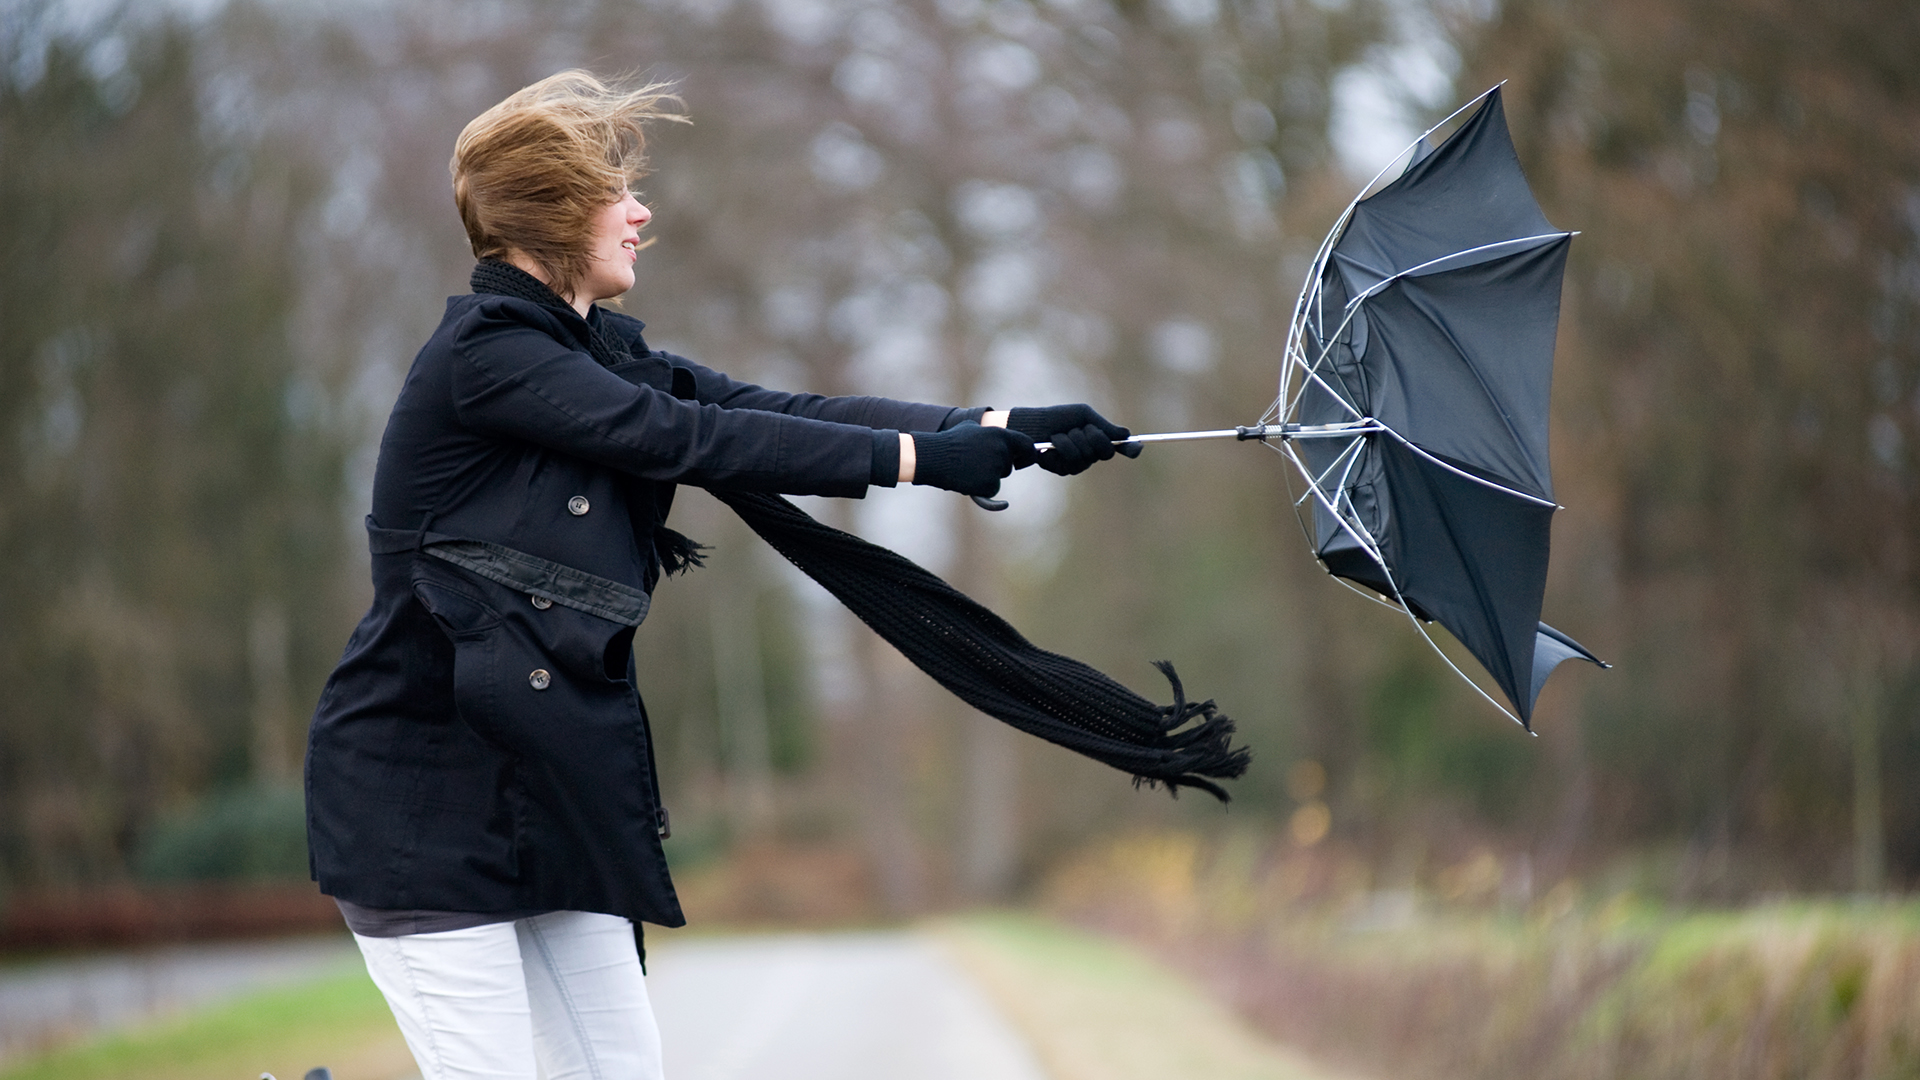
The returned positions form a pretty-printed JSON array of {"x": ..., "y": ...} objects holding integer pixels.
[{"x": 614, "y": 288}]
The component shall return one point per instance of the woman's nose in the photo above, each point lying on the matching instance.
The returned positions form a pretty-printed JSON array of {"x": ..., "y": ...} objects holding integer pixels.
[{"x": 639, "y": 214}]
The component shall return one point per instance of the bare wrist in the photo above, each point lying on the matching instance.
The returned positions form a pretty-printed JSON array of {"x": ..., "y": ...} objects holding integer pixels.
[
  {"x": 906, "y": 458},
  {"x": 994, "y": 418}
]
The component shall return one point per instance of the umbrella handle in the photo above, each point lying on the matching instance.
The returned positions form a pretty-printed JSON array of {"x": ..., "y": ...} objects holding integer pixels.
[{"x": 1256, "y": 431}]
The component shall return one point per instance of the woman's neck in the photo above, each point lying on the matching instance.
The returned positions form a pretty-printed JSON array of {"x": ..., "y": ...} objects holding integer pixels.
[{"x": 526, "y": 262}]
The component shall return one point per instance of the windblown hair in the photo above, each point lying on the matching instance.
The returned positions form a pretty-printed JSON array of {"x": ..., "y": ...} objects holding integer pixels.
[{"x": 531, "y": 173}]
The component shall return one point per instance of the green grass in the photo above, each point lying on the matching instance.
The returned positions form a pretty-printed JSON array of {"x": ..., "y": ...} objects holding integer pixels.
[{"x": 340, "y": 1021}]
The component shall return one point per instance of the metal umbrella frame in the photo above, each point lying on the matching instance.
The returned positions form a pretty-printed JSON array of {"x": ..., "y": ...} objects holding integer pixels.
[
  {"x": 1303, "y": 367},
  {"x": 1344, "y": 451}
]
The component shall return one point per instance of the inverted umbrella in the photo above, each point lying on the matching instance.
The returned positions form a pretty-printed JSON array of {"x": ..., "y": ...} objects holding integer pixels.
[{"x": 1413, "y": 400}]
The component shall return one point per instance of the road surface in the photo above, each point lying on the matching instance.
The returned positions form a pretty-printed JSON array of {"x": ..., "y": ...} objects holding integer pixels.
[
  {"x": 793, "y": 1006},
  {"x": 980, "y": 998},
  {"x": 885, "y": 1006}
]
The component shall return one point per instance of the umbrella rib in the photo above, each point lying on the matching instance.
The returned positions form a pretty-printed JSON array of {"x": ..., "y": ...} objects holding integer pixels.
[
  {"x": 1285, "y": 450},
  {"x": 1346, "y": 474},
  {"x": 1448, "y": 660},
  {"x": 1310, "y": 294},
  {"x": 1346, "y": 456},
  {"x": 1294, "y": 358},
  {"x": 1481, "y": 480},
  {"x": 1479, "y": 378},
  {"x": 1479, "y": 590},
  {"x": 1371, "y": 547},
  {"x": 1288, "y": 404},
  {"x": 1400, "y": 598},
  {"x": 1312, "y": 373},
  {"x": 1310, "y": 290},
  {"x": 1411, "y": 270},
  {"x": 1359, "y": 533},
  {"x": 1366, "y": 594},
  {"x": 1354, "y": 305},
  {"x": 1295, "y": 355},
  {"x": 1310, "y": 303},
  {"x": 1410, "y": 147}
]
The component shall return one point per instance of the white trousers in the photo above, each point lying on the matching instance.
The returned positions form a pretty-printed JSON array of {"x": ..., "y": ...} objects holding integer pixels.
[{"x": 558, "y": 996}]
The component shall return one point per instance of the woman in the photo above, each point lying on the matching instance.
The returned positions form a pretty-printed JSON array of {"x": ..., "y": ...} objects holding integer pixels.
[{"x": 482, "y": 800}]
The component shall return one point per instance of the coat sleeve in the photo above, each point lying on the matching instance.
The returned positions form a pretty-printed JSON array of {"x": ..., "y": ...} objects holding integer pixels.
[
  {"x": 716, "y": 388},
  {"x": 872, "y": 412},
  {"x": 513, "y": 378}
]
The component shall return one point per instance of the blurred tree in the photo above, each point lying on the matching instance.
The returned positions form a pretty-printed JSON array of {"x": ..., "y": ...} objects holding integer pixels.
[
  {"x": 169, "y": 515},
  {"x": 996, "y": 202},
  {"x": 1740, "y": 393},
  {"x": 225, "y": 238}
]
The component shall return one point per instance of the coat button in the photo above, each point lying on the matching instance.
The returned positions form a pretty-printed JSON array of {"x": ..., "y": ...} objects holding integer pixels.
[
  {"x": 540, "y": 679},
  {"x": 578, "y": 505},
  {"x": 540, "y": 602}
]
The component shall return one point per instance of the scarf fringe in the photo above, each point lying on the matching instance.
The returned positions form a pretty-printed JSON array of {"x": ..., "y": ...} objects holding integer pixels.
[
  {"x": 678, "y": 552},
  {"x": 984, "y": 661}
]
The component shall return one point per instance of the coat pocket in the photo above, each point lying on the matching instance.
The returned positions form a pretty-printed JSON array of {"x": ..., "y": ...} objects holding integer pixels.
[
  {"x": 455, "y": 600},
  {"x": 530, "y": 677}
]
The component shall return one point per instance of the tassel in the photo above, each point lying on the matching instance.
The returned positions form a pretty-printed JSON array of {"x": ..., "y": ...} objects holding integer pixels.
[
  {"x": 678, "y": 553},
  {"x": 985, "y": 662}
]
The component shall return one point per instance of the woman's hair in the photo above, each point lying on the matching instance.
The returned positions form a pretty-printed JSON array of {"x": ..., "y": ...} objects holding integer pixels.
[{"x": 531, "y": 173}]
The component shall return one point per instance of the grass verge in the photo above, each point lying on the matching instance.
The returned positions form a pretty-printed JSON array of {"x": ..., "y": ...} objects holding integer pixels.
[
  {"x": 1094, "y": 1008},
  {"x": 1427, "y": 983},
  {"x": 340, "y": 1021}
]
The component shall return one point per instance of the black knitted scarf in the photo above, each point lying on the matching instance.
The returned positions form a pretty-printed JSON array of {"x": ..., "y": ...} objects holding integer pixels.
[{"x": 974, "y": 653}]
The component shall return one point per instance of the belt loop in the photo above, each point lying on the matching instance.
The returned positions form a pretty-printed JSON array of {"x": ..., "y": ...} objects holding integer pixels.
[{"x": 420, "y": 535}]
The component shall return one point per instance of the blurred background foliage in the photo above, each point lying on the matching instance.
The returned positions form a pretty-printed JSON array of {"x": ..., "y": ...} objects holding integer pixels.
[{"x": 226, "y": 227}]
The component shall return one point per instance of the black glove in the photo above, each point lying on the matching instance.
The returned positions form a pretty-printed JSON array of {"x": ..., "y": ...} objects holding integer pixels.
[
  {"x": 1079, "y": 436},
  {"x": 969, "y": 458}
]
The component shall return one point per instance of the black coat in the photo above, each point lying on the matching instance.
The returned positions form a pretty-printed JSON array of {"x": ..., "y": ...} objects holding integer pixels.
[{"x": 481, "y": 746}]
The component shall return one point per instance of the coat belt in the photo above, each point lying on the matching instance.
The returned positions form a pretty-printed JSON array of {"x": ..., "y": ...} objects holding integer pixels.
[{"x": 564, "y": 585}]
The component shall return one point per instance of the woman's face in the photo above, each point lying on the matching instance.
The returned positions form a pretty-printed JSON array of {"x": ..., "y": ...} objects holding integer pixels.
[{"x": 614, "y": 245}]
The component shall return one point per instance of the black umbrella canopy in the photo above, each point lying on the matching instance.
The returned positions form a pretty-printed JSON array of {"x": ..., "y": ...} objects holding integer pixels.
[{"x": 1433, "y": 315}]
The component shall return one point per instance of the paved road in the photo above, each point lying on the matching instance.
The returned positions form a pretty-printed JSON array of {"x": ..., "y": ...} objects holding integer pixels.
[
  {"x": 56, "y": 1000},
  {"x": 886, "y": 1006},
  {"x": 792, "y": 1006}
]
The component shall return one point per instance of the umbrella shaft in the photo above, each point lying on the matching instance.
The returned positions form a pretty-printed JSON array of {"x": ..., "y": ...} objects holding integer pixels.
[{"x": 1255, "y": 431}]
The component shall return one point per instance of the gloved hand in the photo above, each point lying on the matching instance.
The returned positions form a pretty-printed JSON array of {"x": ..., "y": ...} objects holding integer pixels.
[
  {"x": 969, "y": 458},
  {"x": 1079, "y": 436}
]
